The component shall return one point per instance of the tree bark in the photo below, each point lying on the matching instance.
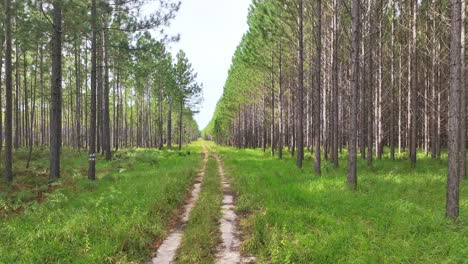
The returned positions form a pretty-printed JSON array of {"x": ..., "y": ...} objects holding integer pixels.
[
  {"x": 169, "y": 123},
  {"x": 370, "y": 95},
  {"x": 181, "y": 111},
  {"x": 355, "y": 16},
  {"x": 8, "y": 94},
  {"x": 280, "y": 104},
  {"x": 412, "y": 78},
  {"x": 92, "y": 119},
  {"x": 335, "y": 96},
  {"x": 56, "y": 94},
  {"x": 462, "y": 94},
  {"x": 106, "y": 137},
  {"x": 454, "y": 127},
  {"x": 300, "y": 80},
  {"x": 318, "y": 72}
]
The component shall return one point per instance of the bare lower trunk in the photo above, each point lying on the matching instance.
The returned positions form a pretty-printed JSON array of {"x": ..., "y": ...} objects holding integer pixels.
[
  {"x": 454, "y": 128},
  {"x": 300, "y": 97},
  {"x": 317, "y": 122},
  {"x": 56, "y": 94},
  {"x": 106, "y": 142},
  {"x": 351, "y": 175},
  {"x": 92, "y": 126},
  {"x": 169, "y": 123},
  {"x": 8, "y": 94}
]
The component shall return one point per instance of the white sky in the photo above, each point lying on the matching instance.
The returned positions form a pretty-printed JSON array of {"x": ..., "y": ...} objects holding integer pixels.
[{"x": 210, "y": 31}]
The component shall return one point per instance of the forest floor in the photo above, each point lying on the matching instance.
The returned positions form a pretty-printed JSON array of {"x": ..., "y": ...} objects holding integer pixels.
[
  {"x": 395, "y": 216},
  {"x": 111, "y": 220},
  {"x": 249, "y": 204}
]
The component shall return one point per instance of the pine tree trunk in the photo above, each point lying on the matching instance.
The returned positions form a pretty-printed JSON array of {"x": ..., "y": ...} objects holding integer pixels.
[
  {"x": 8, "y": 94},
  {"x": 25, "y": 101},
  {"x": 2, "y": 39},
  {"x": 280, "y": 103},
  {"x": 412, "y": 78},
  {"x": 355, "y": 17},
  {"x": 78, "y": 93},
  {"x": 17, "y": 95},
  {"x": 169, "y": 123},
  {"x": 181, "y": 111},
  {"x": 92, "y": 128},
  {"x": 318, "y": 73},
  {"x": 33, "y": 107},
  {"x": 56, "y": 94},
  {"x": 462, "y": 95},
  {"x": 454, "y": 127},
  {"x": 370, "y": 95},
  {"x": 392, "y": 82},
  {"x": 335, "y": 96},
  {"x": 300, "y": 96},
  {"x": 106, "y": 137},
  {"x": 273, "y": 139},
  {"x": 160, "y": 113}
]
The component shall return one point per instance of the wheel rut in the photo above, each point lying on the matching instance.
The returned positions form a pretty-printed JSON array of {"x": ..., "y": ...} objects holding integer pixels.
[
  {"x": 228, "y": 251},
  {"x": 167, "y": 251}
]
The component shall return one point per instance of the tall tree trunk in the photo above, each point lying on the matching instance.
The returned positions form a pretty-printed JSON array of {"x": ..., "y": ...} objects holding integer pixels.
[
  {"x": 106, "y": 111},
  {"x": 17, "y": 95},
  {"x": 454, "y": 128},
  {"x": 392, "y": 82},
  {"x": 78, "y": 92},
  {"x": 33, "y": 107},
  {"x": 412, "y": 78},
  {"x": 380, "y": 136},
  {"x": 169, "y": 122},
  {"x": 300, "y": 80},
  {"x": 43, "y": 111},
  {"x": 92, "y": 128},
  {"x": 25, "y": 101},
  {"x": 160, "y": 113},
  {"x": 335, "y": 96},
  {"x": 318, "y": 73},
  {"x": 355, "y": 17},
  {"x": 370, "y": 109},
  {"x": 273, "y": 139},
  {"x": 100, "y": 84},
  {"x": 280, "y": 103},
  {"x": 462, "y": 95},
  {"x": 56, "y": 94},
  {"x": 8, "y": 94},
  {"x": 181, "y": 111},
  {"x": 2, "y": 39}
]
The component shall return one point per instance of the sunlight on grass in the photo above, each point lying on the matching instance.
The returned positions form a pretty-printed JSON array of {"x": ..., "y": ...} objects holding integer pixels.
[
  {"x": 111, "y": 220},
  {"x": 395, "y": 216}
]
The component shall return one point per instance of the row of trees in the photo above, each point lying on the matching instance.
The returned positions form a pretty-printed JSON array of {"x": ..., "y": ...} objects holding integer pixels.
[
  {"x": 361, "y": 74},
  {"x": 92, "y": 74}
]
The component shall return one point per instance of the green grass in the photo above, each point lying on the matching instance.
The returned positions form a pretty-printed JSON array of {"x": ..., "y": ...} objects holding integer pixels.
[
  {"x": 201, "y": 235},
  {"x": 111, "y": 220},
  {"x": 32, "y": 184},
  {"x": 395, "y": 216}
]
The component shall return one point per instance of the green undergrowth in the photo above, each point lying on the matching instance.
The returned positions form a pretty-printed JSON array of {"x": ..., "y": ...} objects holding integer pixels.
[
  {"x": 395, "y": 216},
  {"x": 201, "y": 235},
  {"x": 110, "y": 220}
]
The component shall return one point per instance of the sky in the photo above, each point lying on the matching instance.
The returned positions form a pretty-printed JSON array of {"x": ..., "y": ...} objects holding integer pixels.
[{"x": 210, "y": 31}]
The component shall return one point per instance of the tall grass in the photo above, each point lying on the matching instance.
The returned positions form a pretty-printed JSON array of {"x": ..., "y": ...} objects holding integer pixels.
[
  {"x": 111, "y": 220},
  {"x": 395, "y": 216}
]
